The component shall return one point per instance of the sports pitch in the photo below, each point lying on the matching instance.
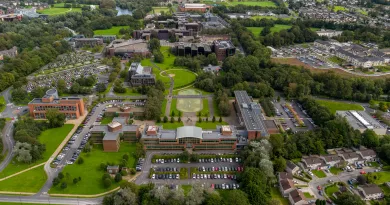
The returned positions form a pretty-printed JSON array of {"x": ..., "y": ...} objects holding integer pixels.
[{"x": 189, "y": 104}]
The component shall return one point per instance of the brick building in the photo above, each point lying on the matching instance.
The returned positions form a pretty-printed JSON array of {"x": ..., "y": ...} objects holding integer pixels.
[
  {"x": 91, "y": 42},
  {"x": 194, "y": 7},
  {"x": 223, "y": 49},
  {"x": 72, "y": 107}
]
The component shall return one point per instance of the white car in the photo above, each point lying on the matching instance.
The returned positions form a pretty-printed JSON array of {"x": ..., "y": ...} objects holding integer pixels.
[{"x": 153, "y": 176}]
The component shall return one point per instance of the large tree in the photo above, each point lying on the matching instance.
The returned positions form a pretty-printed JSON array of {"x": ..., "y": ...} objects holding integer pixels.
[{"x": 55, "y": 118}]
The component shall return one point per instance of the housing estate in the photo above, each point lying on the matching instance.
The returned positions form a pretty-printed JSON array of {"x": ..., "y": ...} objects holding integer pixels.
[
  {"x": 139, "y": 75},
  {"x": 288, "y": 189},
  {"x": 72, "y": 107},
  {"x": 329, "y": 33}
]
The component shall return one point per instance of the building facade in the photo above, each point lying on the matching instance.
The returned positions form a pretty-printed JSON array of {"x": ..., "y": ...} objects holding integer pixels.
[
  {"x": 140, "y": 75},
  {"x": 72, "y": 107},
  {"x": 91, "y": 42}
]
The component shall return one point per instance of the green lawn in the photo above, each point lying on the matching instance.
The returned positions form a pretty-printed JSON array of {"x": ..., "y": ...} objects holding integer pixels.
[
  {"x": 30, "y": 181},
  {"x": 58, "y": 9},
  {"x": 381, "y": 177},
  {"x": 157, "y": 10},
  {"x": 106, "y": 120},
  {"x": 90, "y": 173},
  {"x": 333, "y": 105},
  {"x": 339, "y": 8},
  {"x": 165, "y": 79},
  {"x": 112, "y": 31},
  {"x": 319, "y": 173},
  {"x": 253, "y": 3},
  {"x": 171, "y": 126},
  {"x": 335, "y": 170},
  {"x": 275, "y": 194},
  {"x": 129, "y": 92},
  {"x": 205, "y": 108},
  {"x": 269, "y": 17},
  {"x": 173, "y": 107},
  {"x": 210, "y": 125},
  {"x": 385, "y": 189},
  {"x": 176, "y": 92},
  {"x": 278, "y": 27},
  {"x": 308, "y": 195},
  {"x": 2, "y": 104},
  {"x": 329, "y": 190},
  {"x": 52, "y": 138},
  {"x": 182, "y": 77},
  {"x": 186, "y": 188},
  {"x": 373, "y": 164}
]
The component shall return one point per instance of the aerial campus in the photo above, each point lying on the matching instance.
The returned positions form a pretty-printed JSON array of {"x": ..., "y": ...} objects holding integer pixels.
[{"x": 195, "y": 102}]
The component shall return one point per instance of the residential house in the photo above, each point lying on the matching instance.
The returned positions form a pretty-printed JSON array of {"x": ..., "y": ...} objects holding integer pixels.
[
  {"x": 332, "y": 159},
  {"x": 367, "y": 154},
  {"x": 291, "y": 167},
  {"x": 113, "y": 169},
  {"x": 370, "y": 192},
  {"x": 286, "y": 184},
  {"x": 313, "y": 162},
  {"x": 296, "y": 197}
]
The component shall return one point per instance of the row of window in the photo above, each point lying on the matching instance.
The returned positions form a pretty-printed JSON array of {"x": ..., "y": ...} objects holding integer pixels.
[
  {"x": 212, "y": 147},
  {"x": 164, "y": 147},
  {"x": 61, "y": 108}
]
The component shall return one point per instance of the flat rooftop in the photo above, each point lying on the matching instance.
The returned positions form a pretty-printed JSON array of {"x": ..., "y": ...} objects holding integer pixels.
[
  {"x": 55, "y": 101},
  {"x": 360, "y": 119},
  {"x": 250, "y": 112}
]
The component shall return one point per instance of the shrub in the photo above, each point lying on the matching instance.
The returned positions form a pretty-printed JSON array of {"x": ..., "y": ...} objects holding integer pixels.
[
  {"x": 106, "y": 176},
  {"x": 123, "y": 173},
  {"x": 103, "y": 166},
  {"x": 126, "y": 157},
  {"x": 75, "y": 180},
  {"x": 60, "y": 175},
  {"x": 118, "y": 177},
  {"x": 64, "y": 185},
  {"x": 132, "y": 171},
  {"x": 80, "y": 160},
  {"x": 107, "y": 183},
  {"x": 56, "y": 181}
]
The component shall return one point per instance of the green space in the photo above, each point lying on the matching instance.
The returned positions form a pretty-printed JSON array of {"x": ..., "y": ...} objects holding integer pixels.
[
  {"x": 171, "y": 126},
  {"x": 339, "y": 8},
  {"x": 165, "y": 79},
  {"x": 308, "y": 195},
  {"x": 373, "y": 164},
  {"x": 275, "y": 194},
  {"x": 205, "y": 107},
  {"x": 52, "y": 138},
  {"x": 278, "y": 27},
  {"x": 58, "y": 9},
  {"x": 2, "y": 104},
  {"x": 90, "y": 171},
  {"x": 168, "y": 59},
  {"x": 253, "y": 3},
  {"x": 380, "y": 177},
  {"x": 129, "y": 92},
  {"x": 106, "y": 120},
  {"x": 186, "y": 189},
  {"x": 112, "y": 31},
  {"x": 336, "y": 60},
  {"x": 333, "y": 105},
  {"x": 385, "y": 189},
  {"x": 329, "y": 190},
  {"x": 335, "y": 170},
  {"x": 158, "y": 10},
  {"x": 269, "y": 17},
  {"x": 210, "y": 125},
  {"x": 216, "y": 109},
  {"x": 177, "y": 91},
  {"x": 181, "y": 77},
  {"x": 30, "y": 181},
  {"x": 319, "y": 173},
  {"x": 383, "y": 68}
]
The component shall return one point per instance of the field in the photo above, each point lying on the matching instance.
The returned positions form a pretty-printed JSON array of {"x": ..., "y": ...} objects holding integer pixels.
[
  {"x": 205, "y": 108},
  {"x": 106, "y": 120},
  {"x": 176, "y": 92},
  {"x": 90, "y": 172},
  {"x": 278, "y": 27},
  {"x": 188, "y": 104},
  {"x": 181, "y": 77},
  {"x": 335, "y": 170},
  {"x": 333, "y": 105},
  {"x": 307, "y": 195},
  {"x": 381, "y": 177},
  {"x": 168, "y": 59},
  {"x": 163, "y": 107},
  {"x": 253, "y": 3},
  {"x": 58, "y": 9},
  {"x": 171, "y": 126},
  {"x": 112, "y": 31},
  {"x": 331, "y": 189},
  {"x": 158, "y": 10},
  {"x": 336, "y": 60},
  {"x": 268, "y": 17},
  {"x": 52, "y": 138},
  {"x": 210, "y": 125},
  {"x": 2, "y": 104},
  {"x": 319, "y": 173},
  {"x": 30, "y": 181}
]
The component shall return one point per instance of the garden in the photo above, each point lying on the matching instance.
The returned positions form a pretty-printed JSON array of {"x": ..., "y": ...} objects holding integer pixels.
[{"x": 89, "y": 173}]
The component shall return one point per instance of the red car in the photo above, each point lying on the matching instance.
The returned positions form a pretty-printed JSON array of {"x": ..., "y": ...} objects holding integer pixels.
[
  {"x": 319, "y": 187},
  {"x": 238, "y": 169},
  {"x": 212, "y": 186},
  {"x": 362, "y": 172}
]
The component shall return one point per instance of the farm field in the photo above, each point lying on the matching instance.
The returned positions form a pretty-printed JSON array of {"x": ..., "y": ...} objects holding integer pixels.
[
  {"x": 90, "y": 172},
  {"x": 52, "y": 138},
  {"x": 112, "y": 31},
  {"x": 333, "y": 105}
]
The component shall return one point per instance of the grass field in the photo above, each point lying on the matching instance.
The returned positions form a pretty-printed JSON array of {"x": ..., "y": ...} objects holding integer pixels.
[
  {"x": 319, "y": 173},
  {"x": 210, "y": 125},
  {"x": 381, "y": 177},
  {"x": 30, "y": 181},
  {"x": 308, "y": 195},
  {"x": 176, "y": 92},
  {"x": 163, "y": 107},
  {"x": 52, "y": 138},
  {"x": 186, "y": 188},
  {"x": 205, "y": 108},
  {"x": 181, "y": 77},
  {"x": 106, "y": 120},
  {"x": 268, "y": 17},
  {"x": 58, "y": 9},
  {"x": 253, "y": 3},
  {"x": 90, "y": 173},
  {"x": 168, "y": 59},
  {"x": 331, "y": 189},
  {"x": 173, "y": 107},
  {"x": 112, "y": 31},
  {"x": 188, "y": 104},
  {"x": 275, "y": 194},
  {"x": 171, "y": 126},
  {"x": 2, "y": 104},
  {"x": 158, "y": 10},
  {"x": 333, "y": 105},
  {"x": 278, "y": 27}
]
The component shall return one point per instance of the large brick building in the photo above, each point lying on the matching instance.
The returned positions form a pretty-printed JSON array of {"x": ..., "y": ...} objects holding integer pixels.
[
  {"x": 72, "y": 107},
  {"x": 194, "y": 7},
  {"x": 223, "y": 49}
]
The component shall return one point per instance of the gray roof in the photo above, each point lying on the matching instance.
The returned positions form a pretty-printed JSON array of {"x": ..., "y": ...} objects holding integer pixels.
[
  {"x": 356, "y": 123},
  {"x": 250, "y": 112},
  {"x": 370, "y": 189},
  {"x": 189, "y": 131}
]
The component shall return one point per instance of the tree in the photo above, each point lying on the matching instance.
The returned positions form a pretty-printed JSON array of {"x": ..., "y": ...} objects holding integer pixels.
[
  {"x": 172, "y": 120},
  {"x": 213, "y": 120},
  {"x": 64, "y": 185},
  {"x": 55, "y": 118},
  {"x": 237, "y": 197},
  {"x": 107, "y": 182},
  {"x": 361, "y": 179},
  {"x": 348, "y": 198},
  {"x": 101, "y": 87},
  {"x": 75, "y": 180},
  {"x": 56, "y": 181},
  {"x": 196, "y": 195},
  {"x": 118, "y": 177},
  {"x": 179, "y": 119},
  {"x": 213, "y": 198},
  {"x": 266, "y": 30},
  {"x": 280, "y": 164},
  {"x": 165, "y": 120},
  {"x": 173, "y": 113},
  {"x": 154, "y": 44},
  {"x": 370, "y": 139},
  {"x": 220, "y": 119},
  {"x": 22, "y": 152},
  {"x": 80, "y": 160},
  {"x": 125, "y": 157},
  {"x": 61, "y": 175},
  {"x": 158, "y": 56}
]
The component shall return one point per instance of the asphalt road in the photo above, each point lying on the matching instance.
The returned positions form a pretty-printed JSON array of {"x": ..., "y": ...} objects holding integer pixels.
[{"x": 8, "y": 142}]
